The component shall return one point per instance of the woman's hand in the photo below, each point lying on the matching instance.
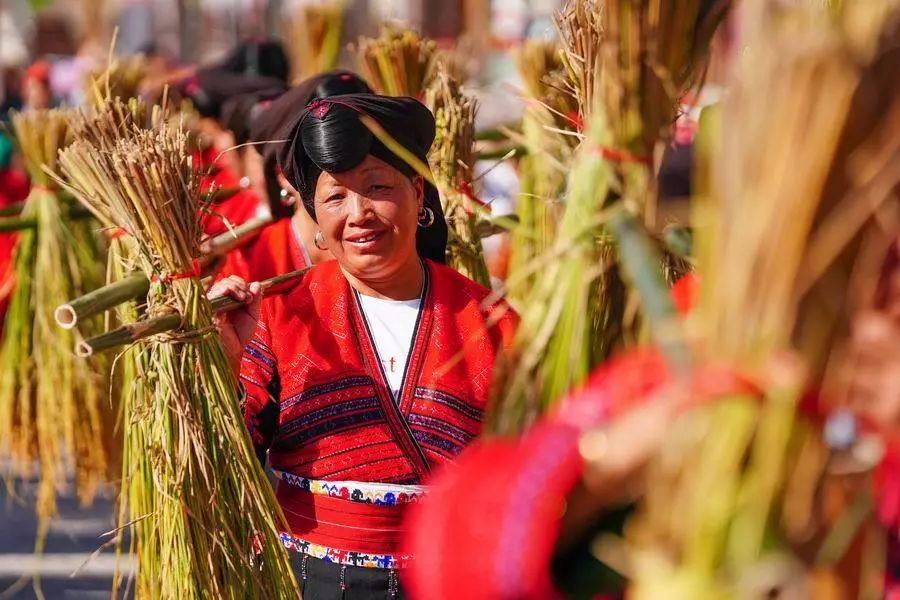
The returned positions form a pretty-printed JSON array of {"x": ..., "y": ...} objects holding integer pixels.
[{"x": 236, "y": 326}]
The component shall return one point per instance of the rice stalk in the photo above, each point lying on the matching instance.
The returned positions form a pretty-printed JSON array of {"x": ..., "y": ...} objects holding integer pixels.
[
  {"x": 313, "y": 36},
  {"x": 632, "y": 61},
  {"x": 203, "y": 517},
  {"x": 452, "y": 160},
  {"x": 120, "y": 78},
  {"x": 778, "y": 254},
  {"x": 54, "y": 412},
  {"x": 550, "y": 112},
  {"x": 397, "y": 62}
]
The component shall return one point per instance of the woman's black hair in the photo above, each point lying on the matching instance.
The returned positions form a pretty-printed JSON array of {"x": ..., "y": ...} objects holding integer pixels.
[
  {"x": 276, "y": 120},
  {"x": 330, "y": 137},
  {"x": 280, "y": 117}
]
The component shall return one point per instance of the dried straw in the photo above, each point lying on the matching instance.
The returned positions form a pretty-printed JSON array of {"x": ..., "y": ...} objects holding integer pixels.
[
  {"x": 802, "y": 208},
  {"x": 645, "y": 54},
  {"x": 397, "y": 63},
  {"x": 197, "y": 499},
  {"x": 53, "y": 409},
  {"x": 549, "y": 134},
  {"x": 452, "y": 160},
  {"x": 313, "y": 36}
]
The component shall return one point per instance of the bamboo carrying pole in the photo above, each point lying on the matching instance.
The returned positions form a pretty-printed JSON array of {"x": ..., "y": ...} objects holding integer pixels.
[
  {"x": 137, "y": 284},
  {"x": 68, "y": 315},
  {"x": 134, "y": 332}
]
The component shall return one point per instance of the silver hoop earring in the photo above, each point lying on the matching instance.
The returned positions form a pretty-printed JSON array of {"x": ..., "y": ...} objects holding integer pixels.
[
  {"x": 319, "y": 240},
  {"x": 426, "y": 217}
]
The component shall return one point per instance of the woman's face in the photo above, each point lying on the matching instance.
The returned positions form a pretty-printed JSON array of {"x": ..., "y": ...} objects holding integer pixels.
[{"x": 368, "y": 217}]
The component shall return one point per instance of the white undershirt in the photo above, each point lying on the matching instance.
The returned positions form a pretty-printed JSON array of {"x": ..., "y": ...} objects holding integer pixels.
[{"x": 392, "y": 323}]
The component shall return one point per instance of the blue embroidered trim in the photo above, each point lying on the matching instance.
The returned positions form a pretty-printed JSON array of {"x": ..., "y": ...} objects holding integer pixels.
[
  {"x": 442, "y": 427},
  {"x": 436, "y": 441},
  {"x": 326, "y": 412},
  {"x": 325, "y": 388},
  {"x": 451, "y": 401},
  {"x": 330, "y": 426},
  {"x": 259, "y": 356},
  {"x": 386, "y": 494}
]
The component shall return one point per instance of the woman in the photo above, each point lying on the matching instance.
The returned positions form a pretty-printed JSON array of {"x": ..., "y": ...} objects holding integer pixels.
[
  {"x": 375, "y": 368},
  {"x": 288, "y": 244}
]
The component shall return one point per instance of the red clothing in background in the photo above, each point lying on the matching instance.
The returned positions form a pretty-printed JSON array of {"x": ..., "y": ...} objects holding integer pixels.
[
  {"x": 274, "y": 251},
  {"x": 13, "y": 188},
  {"x": 237, "y": 208}
]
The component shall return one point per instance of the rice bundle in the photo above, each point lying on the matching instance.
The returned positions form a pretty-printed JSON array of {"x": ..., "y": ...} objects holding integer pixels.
[
  {"x": 803, "y": 209},
  {"x": 650, "y": 54},
  {"x": 314, "y": 38},
  {"x": 452, "y": 160},
  {"x": 549, "y": 137},
  {"x": 54, "y": 411},
  {"x": 203, "y": 515},
  {"x": 397, "y": 63},
  {"x": 120, "y": 78}
]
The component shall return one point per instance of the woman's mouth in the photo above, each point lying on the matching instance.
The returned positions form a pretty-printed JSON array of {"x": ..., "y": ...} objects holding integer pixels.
[{"x": 366, "y": 241}]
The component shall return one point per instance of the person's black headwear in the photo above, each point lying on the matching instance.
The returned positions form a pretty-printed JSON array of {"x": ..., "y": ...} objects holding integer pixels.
[
  {"x": 329, "y": 136},
  {"x": 277, "y": 119},
  {"x": 280, "y": 117},
  {"x": 210, "y": 89},
  {"x": 258, "y": 59}
]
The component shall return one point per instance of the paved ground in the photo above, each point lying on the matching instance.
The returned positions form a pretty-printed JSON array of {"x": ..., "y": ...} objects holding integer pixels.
[{"x": 67, "y": 569}]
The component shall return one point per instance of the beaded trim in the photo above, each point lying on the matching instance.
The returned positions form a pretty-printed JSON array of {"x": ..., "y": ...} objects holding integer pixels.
[
  {"x": 387, "y": 494},
  {"x": 342, "y": 557}
]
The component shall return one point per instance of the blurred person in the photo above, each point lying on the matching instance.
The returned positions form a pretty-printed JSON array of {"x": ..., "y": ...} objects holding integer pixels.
[
  {"x": 210, "y": 90},
  {"x": 11, "y": 87},
  {"x": 35, "y": 86},
  {"x": 374, "y": 369},
  {"x": 13, "y": 189},
  {"x": 259, "y": 58},
  {"x": 500, "y": 190},
  {"x": 288, "y": 244},
  {"x": 259, "y": 69}
]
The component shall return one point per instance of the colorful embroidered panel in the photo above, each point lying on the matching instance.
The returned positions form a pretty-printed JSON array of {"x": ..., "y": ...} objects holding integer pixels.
[
  {"x": 357, "y": 491},
  {"x": 342, "y": 557}
]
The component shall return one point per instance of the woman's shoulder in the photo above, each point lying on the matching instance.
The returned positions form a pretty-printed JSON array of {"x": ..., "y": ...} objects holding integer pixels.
[{"x": 452, "y": 286}]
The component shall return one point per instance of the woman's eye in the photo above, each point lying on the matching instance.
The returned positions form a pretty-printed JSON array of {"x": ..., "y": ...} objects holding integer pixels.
[
  {"x": 377, "y": 187},
  {"x": 334, "y": 198}
]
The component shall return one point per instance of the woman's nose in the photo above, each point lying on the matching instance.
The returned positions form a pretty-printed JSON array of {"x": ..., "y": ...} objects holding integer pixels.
[{"x": 359, "y": 208}]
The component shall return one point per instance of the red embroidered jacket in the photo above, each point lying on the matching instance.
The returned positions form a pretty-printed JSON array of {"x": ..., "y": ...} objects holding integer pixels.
[
  {"x": 316, "y": 396},
  {"x": 274, "y": 251}
]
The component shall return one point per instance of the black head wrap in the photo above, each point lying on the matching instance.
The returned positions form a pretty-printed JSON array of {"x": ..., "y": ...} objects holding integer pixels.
[
  {"x": 276, "y": 119},
  {"x": 211, "y": 89},
  {"x": 329, "y": 136},
  {"x": 280, "y": 117},
  {"x": 264, "y": 58}
]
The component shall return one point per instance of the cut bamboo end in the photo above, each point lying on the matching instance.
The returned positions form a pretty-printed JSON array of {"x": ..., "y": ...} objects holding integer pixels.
[
  {"x": 83, "y": 350},
  {"x": 65, "y": 316}
]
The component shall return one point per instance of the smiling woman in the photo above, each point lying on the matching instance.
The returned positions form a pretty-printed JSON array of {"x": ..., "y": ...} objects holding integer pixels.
[{"x": 376, "y": 368}]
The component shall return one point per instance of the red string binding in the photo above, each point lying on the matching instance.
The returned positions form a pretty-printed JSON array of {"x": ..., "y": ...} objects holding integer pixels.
[
  {"x": 167, "y": 277},
  {"x": 622, "y": 156},
  {"x": 115, "y": 233},
  {"x": 466, "y": 190}
]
